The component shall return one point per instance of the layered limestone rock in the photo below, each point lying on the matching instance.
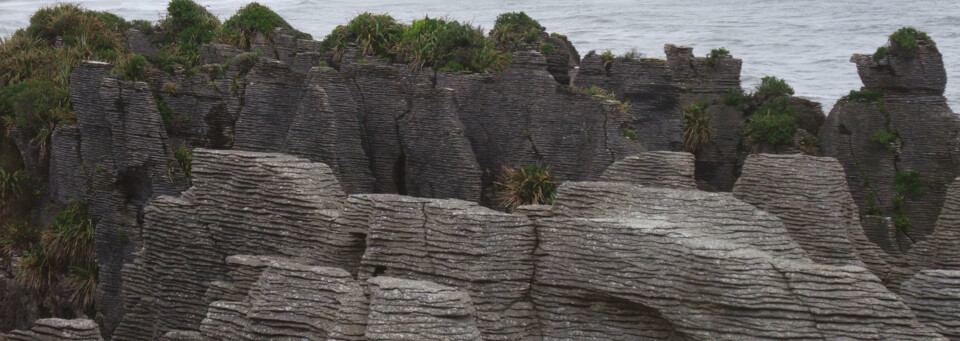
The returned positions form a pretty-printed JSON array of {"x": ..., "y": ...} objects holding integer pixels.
[
  {"x": 120, "y": 160},
  {"x": 291, "y": 300},
  {"x": 618, "y": 260},
  {"x": 240, "y": 203},
  {"x": 810, "y": 195},
  {"x": 419, "y": 310},
  {"x": 924, "y": 137},
  {"x": 941, "y": 249},
  {"x": 649, "y": 86},
  {"x": 935, "y": 297},
  {"x": 487, "y": 254},
  {"x": 710, "y": 79},
  {"x": 658, "y": 169},
  {"x": 54, "y": 329}
]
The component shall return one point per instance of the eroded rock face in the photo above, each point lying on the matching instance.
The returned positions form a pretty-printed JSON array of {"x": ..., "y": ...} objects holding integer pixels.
[
  {"x": 935, "y": 297},
  {"x": 654, "y": 96},
  {"x": 240, "y": 203},
  {"x": 486, "y": 253},
  {"x": 419, "y": 310},
  {"x": 54, "y": 329},
  {"x": 522, "y": 116},
  {"x": 710, "y": 79},
  {"x": 292, "y": 300},
  {"x": 810, "y": 195},
  {"x": 941, "y": 249},
  {"x": 664, "y": 263},
  {"x": 122, "y": 160},
  {"x": 659, "y": 169},
  {"x": 926, "y": 137}
]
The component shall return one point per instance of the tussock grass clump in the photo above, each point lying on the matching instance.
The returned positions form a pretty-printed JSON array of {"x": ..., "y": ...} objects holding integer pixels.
[
  {"x": 57, "y": 256},
  {"x": 188, "y": 24},
  {"x": 375, "y": 34},
  {"x": 547, "y": 48},
  {"x": 34, "y": 71},
  {"x": 184, "y": 157},
  {"x": 17, "y": 237},
  {"x": 512, "y": 30},
  {"x": 696, "y": 123},
  {"x": 607, "y": 95},
  {"x": 526, "y": 185},
  {"x": 449, "y": 46},
  {"x": 255, "y": 18},
  {"x": 133, "y": 68}
]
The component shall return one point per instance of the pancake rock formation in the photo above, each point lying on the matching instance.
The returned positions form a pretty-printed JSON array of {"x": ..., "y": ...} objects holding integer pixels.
[{"x": 637, "y": 258}]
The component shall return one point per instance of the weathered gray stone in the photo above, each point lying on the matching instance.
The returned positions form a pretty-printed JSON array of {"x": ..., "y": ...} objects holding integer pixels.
[
  {"x": 55, "y": 329},
  {"x": 419, "y": 310},
  {"x": 935, "y": 297},
  {"x": 810, "y": 195},
  {"x": 487, "y": 254},
  {"x": 707, "y": 79},
  {"x": 656, "y": 169},
  {"x": 649, "y": 86},
  {"x": 667, "y": 263},
  {"x": 240, "y": 203},
  {"x": 928, "y": 142}
]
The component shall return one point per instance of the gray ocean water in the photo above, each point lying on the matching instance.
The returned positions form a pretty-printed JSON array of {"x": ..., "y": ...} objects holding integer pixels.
[{"x": 807, "y": 42}]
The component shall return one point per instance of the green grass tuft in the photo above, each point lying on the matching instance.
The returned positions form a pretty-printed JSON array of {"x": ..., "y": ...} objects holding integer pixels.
[
  {"x": 713, "y": 58},
  {"x": 133, "y": 68},
  {"x": 184, "y": 158},
  {"x": 770, "y": 128},
  {"x": 514, "y": 29},
  {"x": 526, "y": 185},
  {"x": 547, "y": 48},
  {"x": 697, "y": 130},
  {"x": 188, "y": 24}
]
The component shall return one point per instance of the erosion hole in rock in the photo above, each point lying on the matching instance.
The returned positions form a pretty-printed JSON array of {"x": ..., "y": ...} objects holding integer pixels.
[
  {"x": 400, "y": 174},
  {"x": 135, "y": 185}
]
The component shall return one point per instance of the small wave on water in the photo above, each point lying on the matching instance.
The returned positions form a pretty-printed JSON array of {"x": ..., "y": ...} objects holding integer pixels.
[{"x": 806, "y": 42}]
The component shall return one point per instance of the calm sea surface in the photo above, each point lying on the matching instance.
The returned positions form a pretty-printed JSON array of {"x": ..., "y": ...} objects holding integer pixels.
[{"x": 807, "y": 42}]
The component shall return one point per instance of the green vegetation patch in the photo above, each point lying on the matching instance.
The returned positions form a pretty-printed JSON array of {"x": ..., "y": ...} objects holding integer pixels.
[
  {"x": 188, "y": 24},
  {"x": 696, "y": 123},
  {"x": 904, "y": 42},
  {"x": 255, "y": 18},
  {"x": 713, "y": 58},
  {"x": 514, "y": 29},
  {"x": 445, "y": 45},
  {"x": 61, "y": 250},
  {"x": 526, "y": 185},
  {"x": 771, "y": 119}
]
